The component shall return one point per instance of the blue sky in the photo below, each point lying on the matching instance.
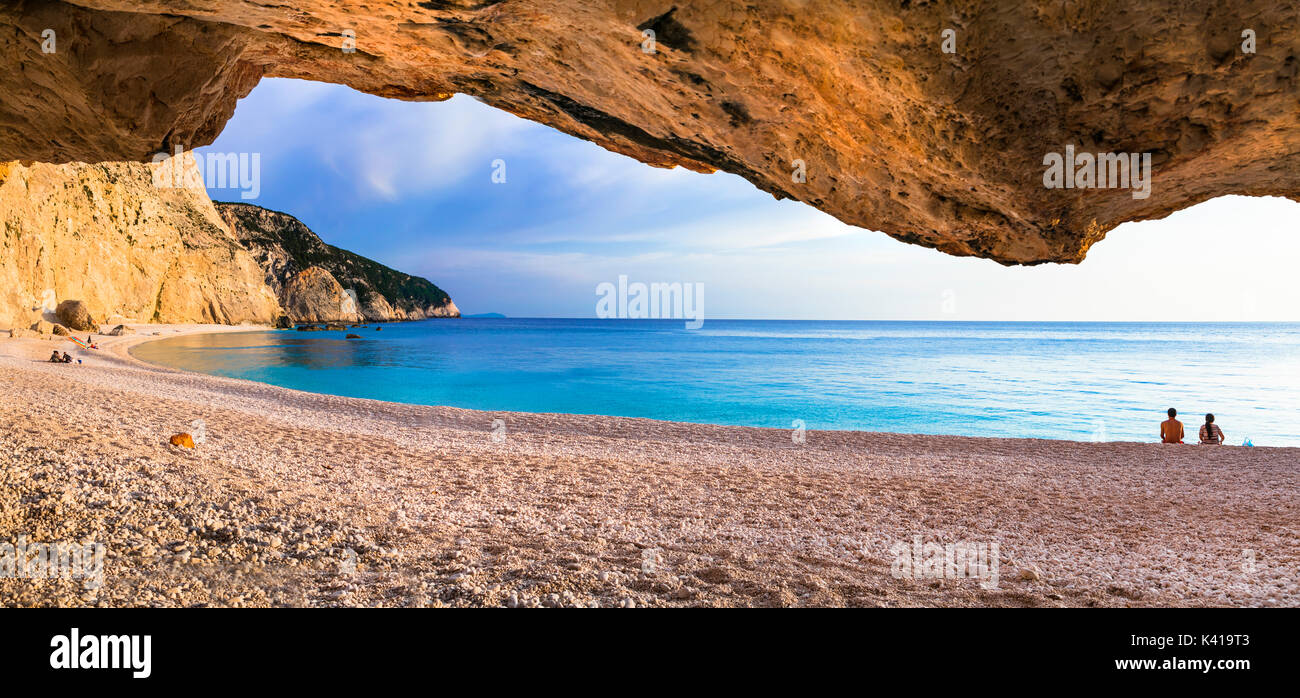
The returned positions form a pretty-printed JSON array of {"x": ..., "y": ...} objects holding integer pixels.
[{"x": 410, "y": 185}]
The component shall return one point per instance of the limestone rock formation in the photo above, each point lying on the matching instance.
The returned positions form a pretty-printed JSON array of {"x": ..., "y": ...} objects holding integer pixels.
[
  {"x": 106, "y": 241},
  {"x": 929, "y": 121},
  {"x": 45, "y": 327},
  {"x": 313, "y": 295},
  {"x": 448, "y": 309},
  {"x": 74, "y": 315},
  {"x": 285, "y": 248},
  {"x": 377, "y": 309},
  {"x": 104, "y": 234}
]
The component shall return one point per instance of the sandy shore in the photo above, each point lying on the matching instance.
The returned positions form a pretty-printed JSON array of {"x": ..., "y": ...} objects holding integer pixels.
[{"x": 303, "y": 499}]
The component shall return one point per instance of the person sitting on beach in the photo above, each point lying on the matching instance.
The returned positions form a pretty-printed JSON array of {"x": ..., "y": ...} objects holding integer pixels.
[
  {"x": 55, "y": 358},
  {"x": 1211, "y": 434},
  {"x": 66, "y": 359},
  {"x": 1171, "y": 430}
]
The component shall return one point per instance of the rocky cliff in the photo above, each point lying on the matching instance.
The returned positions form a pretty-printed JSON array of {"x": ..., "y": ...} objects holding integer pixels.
[
  {"x": 314, "y": 280},
  {"x": 108, "y": 235},
  {"x": 929, "y": 121},
  {"x": 104, "y": 234}
]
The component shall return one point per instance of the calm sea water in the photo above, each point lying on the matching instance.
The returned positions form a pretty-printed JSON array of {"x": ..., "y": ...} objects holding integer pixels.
[{"x": 1083, "y": 381}]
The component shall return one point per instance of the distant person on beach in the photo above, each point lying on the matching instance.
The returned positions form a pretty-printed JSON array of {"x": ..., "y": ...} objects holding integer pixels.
[
  {"x": 55, "y": 358},
  {"x": 66, "y": 359},
  {"x": 1211, "y": 434},
  {"x": 1171, "y": 430}
]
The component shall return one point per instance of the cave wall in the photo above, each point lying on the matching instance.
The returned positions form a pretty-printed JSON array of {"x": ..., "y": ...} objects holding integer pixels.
[{"x": 943, "y": 149}]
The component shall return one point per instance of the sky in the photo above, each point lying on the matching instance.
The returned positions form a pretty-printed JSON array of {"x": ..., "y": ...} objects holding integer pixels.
[{"x": 410, "y": 184}]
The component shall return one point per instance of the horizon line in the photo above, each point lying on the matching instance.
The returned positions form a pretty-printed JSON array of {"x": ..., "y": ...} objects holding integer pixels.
[{"x": 470, "y": 316}]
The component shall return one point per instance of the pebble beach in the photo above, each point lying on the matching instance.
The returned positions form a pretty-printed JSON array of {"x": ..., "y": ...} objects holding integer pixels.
[{"x": 300, "y": 499}]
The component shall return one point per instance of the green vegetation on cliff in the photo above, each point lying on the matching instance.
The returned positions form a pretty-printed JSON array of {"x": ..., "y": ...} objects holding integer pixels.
[{"x": 285, "y": 247}]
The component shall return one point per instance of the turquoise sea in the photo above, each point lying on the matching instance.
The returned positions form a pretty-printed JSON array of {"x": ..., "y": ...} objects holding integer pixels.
[{"x": 1082, "y": 381}]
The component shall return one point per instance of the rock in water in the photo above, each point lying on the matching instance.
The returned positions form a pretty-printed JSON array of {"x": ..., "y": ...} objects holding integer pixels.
[
  {"x": 353, "y": 336},
  {"x": 183, "y": 440},
  {"x": 75, "y": 315}
]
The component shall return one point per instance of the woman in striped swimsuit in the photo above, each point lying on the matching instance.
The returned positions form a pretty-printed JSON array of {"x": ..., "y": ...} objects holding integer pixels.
[{"x": 1211, "y": 434}]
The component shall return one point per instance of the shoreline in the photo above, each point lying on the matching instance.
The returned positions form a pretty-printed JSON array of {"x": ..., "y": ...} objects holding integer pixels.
[
  {"x": 301, "y": 498},
  {"x": 205, "y": 329}
]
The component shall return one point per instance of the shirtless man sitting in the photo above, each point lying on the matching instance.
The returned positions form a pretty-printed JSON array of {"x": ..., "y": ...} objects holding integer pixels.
[{"x": 1171, "y": 430}]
